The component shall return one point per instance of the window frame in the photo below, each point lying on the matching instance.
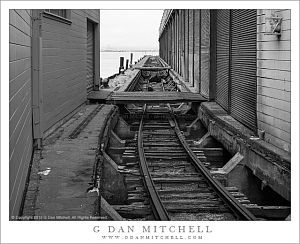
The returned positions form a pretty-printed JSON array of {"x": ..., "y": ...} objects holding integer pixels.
[{"x": 66, "y": 20}]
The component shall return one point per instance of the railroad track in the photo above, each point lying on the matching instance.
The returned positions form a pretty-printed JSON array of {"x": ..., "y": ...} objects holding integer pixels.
[
  {"x": 166, "y": 178},
  {"x": 178, "y": 183}
]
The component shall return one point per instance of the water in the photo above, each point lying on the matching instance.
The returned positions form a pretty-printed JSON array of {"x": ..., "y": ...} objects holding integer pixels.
[{"x": 110, "y": 61}]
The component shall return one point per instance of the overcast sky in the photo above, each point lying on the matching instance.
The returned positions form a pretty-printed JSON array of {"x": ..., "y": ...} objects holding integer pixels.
[{"x": 129, "y": 29}]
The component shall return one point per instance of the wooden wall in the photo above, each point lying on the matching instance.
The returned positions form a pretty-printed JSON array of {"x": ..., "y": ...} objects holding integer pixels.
[
  {"x": 274, "y": 80},
  {"x": 20, "y": 116},
  {"x": 64, "y": 64},
  {"x": 182, "y": 47}
]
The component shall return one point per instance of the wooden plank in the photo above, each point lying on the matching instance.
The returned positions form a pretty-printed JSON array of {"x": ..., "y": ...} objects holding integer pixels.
[
  {"x": 181, "y": 180},
  {"x": 276, "y": 133},
  {"x": 102, "y": 94},
  {"x": 275, "y": 55},
  {"x": 17, "y": 52},
  {"x": 66, "y": 58},
  {"x": 275, "y": 93},
  {"x": 23, "y": 21},
  {"x": 18, "y": 140},
  {"x": 56, "y": 51},
  {"x": 18, "y": 180},
  {"x": 232, "y": 163},
  {"x": 18, "y": 67},
  {"x": 19, "y": 96},
  {"x": 274, "y": 112},
  {"x": 62, "y": 44},
  {"x": 286, "y": 35},
  {"x": 18, "y": 37},
  {"x": 19, "y": 81},
  {"x": 283, "y": 105},
  {"x": 202, "y": 140},
  {"x": 59, "y": 72},
  {"x": 278, "y": 124},
  {"x": 47, "y": 67},
  {"x": 24, "y": 15},
  {"x": 58, "y": 28},
  {"x": 275, "y": 84},
  {"x": 153, "y": 68},
  {"x": 197, "y": 208},
  {"x": 274, "y": 64},
  {"x": 270, "y": 212},
  {"x": 274, "y": 74},
  {"x": 110, "y": 210},
  {"x": 49, "y": 35},
  {"x": 274, "y": 45},
  {"x": 278, "y": 142},
  {"x": 284, "y": 13},
  {"x": 132, "y": 210},
  {"x": 18, "y": 116}
]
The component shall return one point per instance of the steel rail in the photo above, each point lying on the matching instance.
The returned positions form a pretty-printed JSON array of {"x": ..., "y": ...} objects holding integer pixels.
[
  {"x": 159, "y": 209},
  {"x": 239, "y": 210}
]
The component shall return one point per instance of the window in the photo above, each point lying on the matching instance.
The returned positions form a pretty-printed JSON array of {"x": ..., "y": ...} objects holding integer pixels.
[
  {"x": 58, "y": 12},
  {"x": 61, "y": 15}
]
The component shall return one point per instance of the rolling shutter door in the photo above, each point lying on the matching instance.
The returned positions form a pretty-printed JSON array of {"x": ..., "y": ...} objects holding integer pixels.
[
  {"x": 191, "y": 47},
  {"x": 223, "y": 55},
  {"x": 205, "y": 51},
  {"x": 90, "y": 56},
  {"x": 243, "y": 67},
  {"x": 197, "y": 40},
  {"x": 186, "y": 45}
]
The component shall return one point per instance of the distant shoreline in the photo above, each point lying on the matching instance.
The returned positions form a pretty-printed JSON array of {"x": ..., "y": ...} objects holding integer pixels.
[{"x": 128, "y": 50}]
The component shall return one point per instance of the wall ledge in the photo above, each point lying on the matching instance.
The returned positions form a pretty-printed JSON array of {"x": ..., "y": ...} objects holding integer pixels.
[{"x": 268, "y": 151}]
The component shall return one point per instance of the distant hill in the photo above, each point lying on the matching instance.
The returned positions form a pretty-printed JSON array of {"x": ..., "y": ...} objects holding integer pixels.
[{"x": 115, "y": 50}]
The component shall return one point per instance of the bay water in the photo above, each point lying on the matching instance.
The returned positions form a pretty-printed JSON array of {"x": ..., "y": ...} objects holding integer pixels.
[{"x": 110, "y": 60}]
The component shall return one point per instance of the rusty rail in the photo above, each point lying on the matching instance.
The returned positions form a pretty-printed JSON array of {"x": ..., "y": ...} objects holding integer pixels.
[
  {"x": 237, "y": 208},
  {"x": 159, "y": 209}
]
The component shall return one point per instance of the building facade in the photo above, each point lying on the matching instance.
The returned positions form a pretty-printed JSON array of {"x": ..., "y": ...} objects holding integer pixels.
[
  {"x": 240, "y": 60},
  {"x": 228, "y": 56},
  {"x": 53, "y": 62}
]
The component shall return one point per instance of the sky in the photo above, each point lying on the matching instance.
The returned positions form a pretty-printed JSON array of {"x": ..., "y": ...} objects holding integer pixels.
[{"x": 129, "y": 29}]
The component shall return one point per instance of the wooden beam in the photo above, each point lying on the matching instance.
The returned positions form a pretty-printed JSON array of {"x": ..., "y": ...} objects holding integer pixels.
[
  {"x": 270, "y": 212},
  {"x": 203, "y": 138},
  {"x": 232, "y": 163},
  {"x": 110, "y": 210}
]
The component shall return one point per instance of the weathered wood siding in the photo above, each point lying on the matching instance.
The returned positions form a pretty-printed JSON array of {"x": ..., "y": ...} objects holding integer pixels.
[
  {"x": 274, "y": 80},
  {"x": 180, "y": 44},
  {"x": 20, "y": 116},
  {"x": 64, "y": 64}
]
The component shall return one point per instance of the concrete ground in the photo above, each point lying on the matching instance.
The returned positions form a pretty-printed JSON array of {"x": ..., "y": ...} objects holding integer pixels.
[{"x": 62, "y": 171}]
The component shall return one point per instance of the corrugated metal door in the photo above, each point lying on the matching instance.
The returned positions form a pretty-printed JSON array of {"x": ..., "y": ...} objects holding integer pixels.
[
  {"x": 243, "y": 66},
  {"x": 191, "y": 47},
  {"x": 205, "y": 51},
  {"x": 197, "y": 40},
  {"x": 223, "y": 55},
  {"x": 186, "y": 45},
  {"x": 90, "y": 56}
]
